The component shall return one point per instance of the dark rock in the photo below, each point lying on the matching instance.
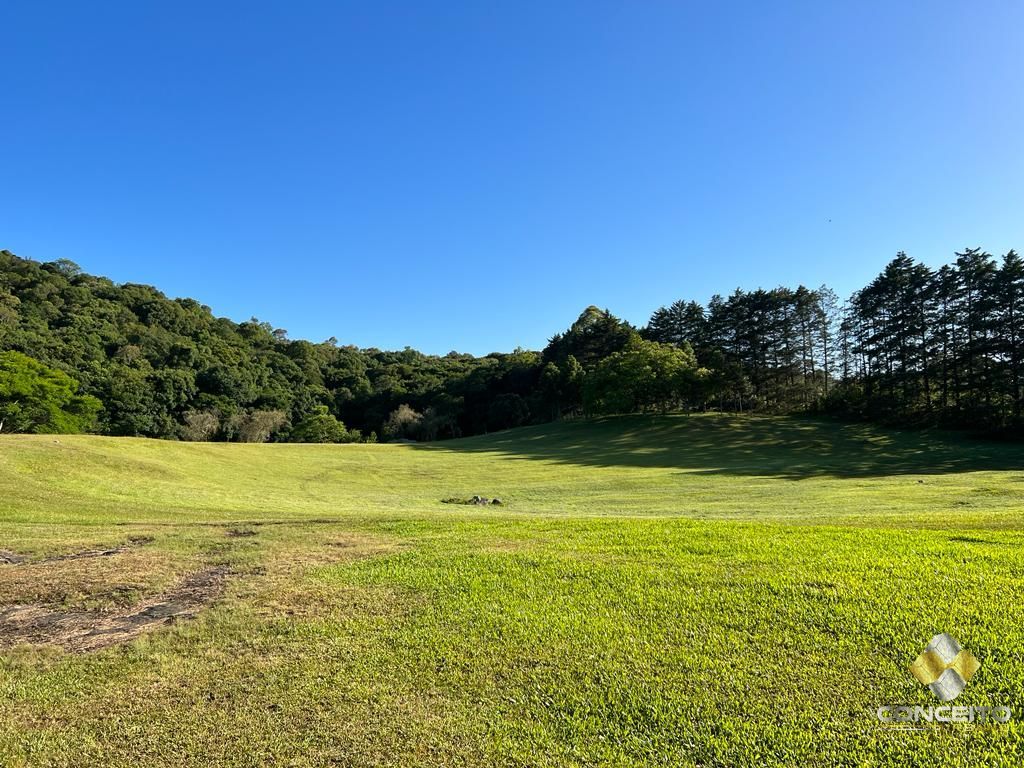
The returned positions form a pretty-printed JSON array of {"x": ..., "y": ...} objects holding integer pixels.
[{"x": 475, "y": 500}]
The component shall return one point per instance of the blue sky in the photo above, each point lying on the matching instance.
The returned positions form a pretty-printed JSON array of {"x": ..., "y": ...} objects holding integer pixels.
[{"x": 470, "y": 175}]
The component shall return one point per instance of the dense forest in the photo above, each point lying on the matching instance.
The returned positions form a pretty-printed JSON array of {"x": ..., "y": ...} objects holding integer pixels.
[{"x": 917, "y": 346}]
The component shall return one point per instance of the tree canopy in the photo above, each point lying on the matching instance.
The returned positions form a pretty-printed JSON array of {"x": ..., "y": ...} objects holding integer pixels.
[
  {"x": 915, "y": 346},
  {"x": 642, "y": 376},
  {"x": 35, "y": 398}
]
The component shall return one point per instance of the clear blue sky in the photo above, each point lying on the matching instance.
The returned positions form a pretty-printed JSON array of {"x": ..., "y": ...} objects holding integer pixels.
[{"x": 470, "y": 175}]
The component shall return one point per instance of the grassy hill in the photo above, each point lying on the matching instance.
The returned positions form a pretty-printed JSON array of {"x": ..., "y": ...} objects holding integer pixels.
[{"x": 702, "y": 590}]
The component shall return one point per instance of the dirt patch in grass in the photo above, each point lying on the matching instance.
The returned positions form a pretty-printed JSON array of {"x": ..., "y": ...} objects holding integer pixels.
[
  {"x": 134, "y": 541},
  {"x": 255, "y": 523},
  {"x": 13, "y": 558},
  {"x": 80, "y": 631},
  {"x": 90, "y": 583}
]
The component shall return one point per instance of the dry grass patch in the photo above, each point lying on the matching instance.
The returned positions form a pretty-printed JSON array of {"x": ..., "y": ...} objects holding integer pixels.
[
  {"x": 81, "y": 631},
  {"x": 285, "y": 586},
  {"x": 90, "y": 580}
]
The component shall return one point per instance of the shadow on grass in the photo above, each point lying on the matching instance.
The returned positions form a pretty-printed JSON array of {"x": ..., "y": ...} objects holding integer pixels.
[{"x": 786, "y": 447}]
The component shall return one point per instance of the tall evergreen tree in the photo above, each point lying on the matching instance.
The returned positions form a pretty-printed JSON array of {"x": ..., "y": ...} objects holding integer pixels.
[
  {"x": 1009, "y": 330},
  {"x": 682, "y": 321},
  {"x": 976, "y": 299}
]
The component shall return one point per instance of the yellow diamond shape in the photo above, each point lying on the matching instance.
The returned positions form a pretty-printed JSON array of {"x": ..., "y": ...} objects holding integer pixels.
[
  {"x": 966, "y": 664},
  {"x": 929, "y": 665}
]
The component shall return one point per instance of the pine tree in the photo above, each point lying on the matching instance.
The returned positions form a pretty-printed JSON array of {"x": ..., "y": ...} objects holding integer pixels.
[
  {"x": 681, "y": 322},
  {"x": 827, "y": 333},
  {"x": 1010, "y": 329},
  {"x": 975, "y": 304}
]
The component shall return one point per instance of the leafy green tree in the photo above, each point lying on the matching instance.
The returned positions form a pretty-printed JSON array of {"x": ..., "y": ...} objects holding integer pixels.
[
  {"x": 560, "y": 387},
  {"x": 36, "y": 398},
  {"x": 8, "y": 309},
  {"x": 644, "y": 375},
  {"x": 321, "y": 426}
]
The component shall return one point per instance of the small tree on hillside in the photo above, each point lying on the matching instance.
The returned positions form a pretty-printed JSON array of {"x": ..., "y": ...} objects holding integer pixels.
[
  {"x": 322, "y": 427},
  {"x": 404, "y": 422},
  {"x": 642, "y": 376},
  {"x": 200, "y": 426},
  {"x": 256, "y": 426}
]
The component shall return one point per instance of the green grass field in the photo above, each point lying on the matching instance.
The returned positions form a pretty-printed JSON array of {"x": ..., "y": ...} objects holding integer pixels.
[{"x": 678, "y": 591}]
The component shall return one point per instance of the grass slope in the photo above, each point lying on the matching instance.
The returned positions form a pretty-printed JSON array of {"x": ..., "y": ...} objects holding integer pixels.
[{"x": 701, "y": 590}]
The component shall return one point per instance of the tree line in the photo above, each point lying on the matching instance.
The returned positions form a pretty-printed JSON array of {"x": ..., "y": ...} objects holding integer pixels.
[{"x": 916, "y": 346}]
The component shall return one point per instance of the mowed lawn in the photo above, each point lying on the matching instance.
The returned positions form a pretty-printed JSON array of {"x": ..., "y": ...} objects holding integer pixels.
[{"x": 678, "y": 591}]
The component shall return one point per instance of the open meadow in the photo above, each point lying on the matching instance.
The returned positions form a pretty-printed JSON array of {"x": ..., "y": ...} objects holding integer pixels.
[{"x": 682, "y": 591}]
